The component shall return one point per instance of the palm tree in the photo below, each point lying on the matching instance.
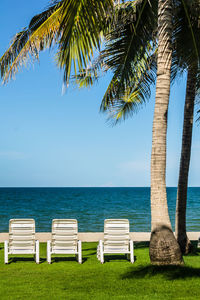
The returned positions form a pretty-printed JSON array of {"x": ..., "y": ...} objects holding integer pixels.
[
  {"x": 185, "y": 56},
  {"x": 163, "y": 246},
  {"x": 76, "y": 45},
  {"x": 187, "y": 34}
]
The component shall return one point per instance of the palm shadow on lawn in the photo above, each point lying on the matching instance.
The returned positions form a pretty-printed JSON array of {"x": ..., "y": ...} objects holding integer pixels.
[{"x": 169, "y": 272}]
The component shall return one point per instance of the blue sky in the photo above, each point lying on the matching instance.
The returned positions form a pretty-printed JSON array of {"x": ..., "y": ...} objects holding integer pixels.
[{"x": 51, "y": 139}]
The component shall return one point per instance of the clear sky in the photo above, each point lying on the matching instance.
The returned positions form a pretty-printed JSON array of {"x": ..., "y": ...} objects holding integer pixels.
[{"x": 50, "y": 139}]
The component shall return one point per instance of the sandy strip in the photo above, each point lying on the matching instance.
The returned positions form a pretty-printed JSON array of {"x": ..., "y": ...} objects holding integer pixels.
[{"x": 96, "y": 236}]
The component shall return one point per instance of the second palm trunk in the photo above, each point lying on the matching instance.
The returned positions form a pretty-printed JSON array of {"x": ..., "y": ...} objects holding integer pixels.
[{"x": 181, "y": 202}]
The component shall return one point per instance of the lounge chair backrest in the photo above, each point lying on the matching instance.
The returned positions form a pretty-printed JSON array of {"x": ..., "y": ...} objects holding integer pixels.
[
  {"x": 64, "y": 234},
  {"x": 116, "y": 235},
  {"x": 22, "y": 234}
]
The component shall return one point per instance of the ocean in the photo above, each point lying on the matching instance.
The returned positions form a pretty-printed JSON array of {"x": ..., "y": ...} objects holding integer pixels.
[{"x": 90, "y": 206}]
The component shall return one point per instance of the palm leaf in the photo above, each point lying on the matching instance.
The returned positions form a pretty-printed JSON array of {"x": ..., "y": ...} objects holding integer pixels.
[
  {"x": 76, "y": 24},
  {"x": 82, "y": 26},
  {"x": 87, "y": 77},
  {"x": 122, "y": 100},
  {"x": 41, "y": 32},
  {"x": 128, "y": 53},
  {"x": 186, "y": 33}
]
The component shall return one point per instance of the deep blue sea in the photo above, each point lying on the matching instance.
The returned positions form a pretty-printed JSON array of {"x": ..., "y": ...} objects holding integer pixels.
[{"x": 90, "y": 206}]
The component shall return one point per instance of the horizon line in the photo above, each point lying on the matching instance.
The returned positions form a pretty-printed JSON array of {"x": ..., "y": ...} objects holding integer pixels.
[{"x": 2, "y": 187}]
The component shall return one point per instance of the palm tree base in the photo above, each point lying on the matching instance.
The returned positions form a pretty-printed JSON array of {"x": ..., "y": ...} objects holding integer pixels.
[
  {"x": 184, "y": 243},
  {"x": 163, "y": 248}
]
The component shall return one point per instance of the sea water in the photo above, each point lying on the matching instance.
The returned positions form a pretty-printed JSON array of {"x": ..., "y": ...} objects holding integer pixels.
[{"x": 90, "y": 206}]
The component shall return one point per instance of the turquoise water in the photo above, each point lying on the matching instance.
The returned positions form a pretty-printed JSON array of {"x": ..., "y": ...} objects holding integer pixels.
[{"x": 90, "y": 206}]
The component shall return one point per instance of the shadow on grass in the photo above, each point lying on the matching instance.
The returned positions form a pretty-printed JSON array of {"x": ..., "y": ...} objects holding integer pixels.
[
  {"x": 24, "y": 259},
  {"x": 89, "y": 249},
  {"x": 194, "y": 250},
  {"x": 140, "y": 245},
  {"x": 108, "y": 258},
  {"x": 169, "y": 272},
  {"x": 85, "y": 251},
  {"x": 90, "y": 254},
  {"x": 137, "y": 245},
  {"x": 59, "y": 259}
]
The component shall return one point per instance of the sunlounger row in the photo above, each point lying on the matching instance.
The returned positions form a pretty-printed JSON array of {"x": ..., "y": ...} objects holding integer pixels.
[{"x": 64, "y": 239}]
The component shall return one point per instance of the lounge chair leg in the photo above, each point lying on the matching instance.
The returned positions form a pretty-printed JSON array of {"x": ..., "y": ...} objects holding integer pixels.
[
  {"x": 79, "y": 252},
  {"x": 98, "y": 252},
  {"x": 101, "y": 251},
  {"x": 37, "y": 250},
  {"x": 49, "y": 252},
  {"x": 6, "y": 252},
  {"x": 131, "y": 252},
  {"x": 198, "y": 244}
]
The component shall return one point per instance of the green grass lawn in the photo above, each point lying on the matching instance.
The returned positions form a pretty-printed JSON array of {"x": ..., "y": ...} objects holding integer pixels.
[{"x": 116, "y": 279}]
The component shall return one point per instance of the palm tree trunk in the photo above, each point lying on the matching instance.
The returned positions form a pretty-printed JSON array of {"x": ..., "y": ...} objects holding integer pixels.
[
  {"x": 164, "y": 249},
  {"x": 181, "y": 202}
]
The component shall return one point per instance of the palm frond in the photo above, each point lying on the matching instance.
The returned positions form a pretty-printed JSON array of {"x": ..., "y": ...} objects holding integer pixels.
[
  {"x": 41, "y": 32},
  {"x": 87, "y": 77},
  {"x": 83, "y": 22},
  {"x": 124, "y": 12},
  {"x": 122, "y": 100},
  {"x": 186, "y": 34},
  {"x": 129, "y": 55}
]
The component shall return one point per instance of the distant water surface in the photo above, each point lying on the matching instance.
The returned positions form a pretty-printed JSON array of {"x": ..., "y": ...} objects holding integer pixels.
[{"x": 90, "y": 206}]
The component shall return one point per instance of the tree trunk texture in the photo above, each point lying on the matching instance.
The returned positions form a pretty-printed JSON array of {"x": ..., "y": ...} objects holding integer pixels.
[
  {"x": 164, "y": 249},
  {"x": 181, "y": 202}
]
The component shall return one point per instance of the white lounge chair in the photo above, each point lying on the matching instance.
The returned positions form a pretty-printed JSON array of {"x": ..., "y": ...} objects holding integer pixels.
[
  {"x": 116, "y": 239},
  {"x": 21, "y": 239},
  {"x": 64, "y": 239}
]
